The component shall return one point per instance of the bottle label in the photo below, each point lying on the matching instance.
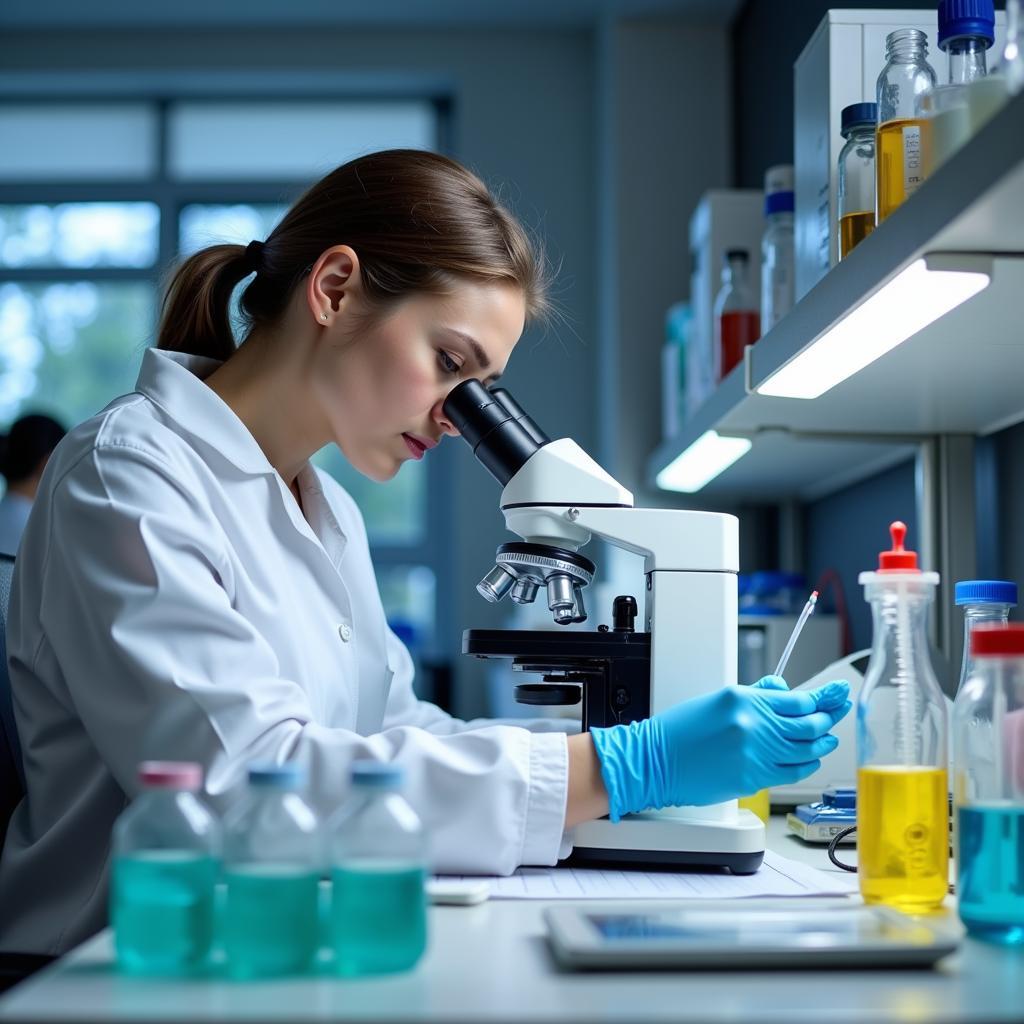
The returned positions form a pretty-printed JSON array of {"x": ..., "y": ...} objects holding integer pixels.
[{"x": 913, "y": 173}]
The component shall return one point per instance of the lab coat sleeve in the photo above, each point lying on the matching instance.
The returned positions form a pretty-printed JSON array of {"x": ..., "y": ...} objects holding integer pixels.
[
  {"x": 405, "y": 708},
  {"x": 136, "y": 608}
]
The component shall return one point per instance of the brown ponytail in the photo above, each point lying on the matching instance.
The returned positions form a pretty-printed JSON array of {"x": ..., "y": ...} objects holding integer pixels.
[{"x": 418, "y": 221}]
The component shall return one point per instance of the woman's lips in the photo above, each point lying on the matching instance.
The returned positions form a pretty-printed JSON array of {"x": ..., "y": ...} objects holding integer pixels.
[{"x": 415, "y": 448}]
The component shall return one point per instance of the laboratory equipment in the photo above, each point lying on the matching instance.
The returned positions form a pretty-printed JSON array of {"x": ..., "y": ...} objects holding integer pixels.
[
  {"x": 856, "y": 196},
  {"x": 988, "y": 736},
  {"x": 823, "y": 820},
  {"x": 902, "y": 747},
  {"x": 762, "y": 638},
  {"x": 838, "y": 66},
  {"x": 760, "y": 802},
  {"x": 378, "y": 874},
  {"x": 737, "y": 323},
  {"x": 737, "y": 935},
  {"x": 777, "y": 247},
  {"x": 556, "y": 498},
  {"x": 899, "y": 142},
  {"x": 272, "y": 863},
  {"x": 805, "y": 614},
  {"x": 983, "y": 602},
  {"x": 966, "y": 31},
  {"x": 722, "y": 220},
  {"x": 166, "y": 855}
]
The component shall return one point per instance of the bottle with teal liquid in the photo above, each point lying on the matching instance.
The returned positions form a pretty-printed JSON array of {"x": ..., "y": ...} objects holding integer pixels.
[
  {"x": 988, "y": 787},
  {"x": 378, "y": 874},
  {"x": 272, "y": 863},
  {"x": 166, "y": 852}
]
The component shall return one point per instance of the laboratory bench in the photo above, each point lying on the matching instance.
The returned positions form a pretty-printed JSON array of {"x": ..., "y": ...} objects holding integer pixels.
[{"x": 491, "y": 962}]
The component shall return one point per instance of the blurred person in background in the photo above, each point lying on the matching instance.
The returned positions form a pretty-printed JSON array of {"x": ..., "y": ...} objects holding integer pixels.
[{"x": 24, "y": 452}]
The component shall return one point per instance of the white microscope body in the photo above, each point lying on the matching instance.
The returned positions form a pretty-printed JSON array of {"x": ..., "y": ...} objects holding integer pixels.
[{"x": 561, "y": 498}]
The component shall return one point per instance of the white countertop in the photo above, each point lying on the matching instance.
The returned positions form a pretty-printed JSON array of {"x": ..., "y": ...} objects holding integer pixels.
[{"x": 491, "y": 963}]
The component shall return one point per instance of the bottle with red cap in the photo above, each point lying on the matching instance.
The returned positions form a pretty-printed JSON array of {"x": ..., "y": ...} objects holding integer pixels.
[
  {"x": 902, "y": 785},
  {"x": 988, "y": 776},
  {"x": 166, "y": 855}
]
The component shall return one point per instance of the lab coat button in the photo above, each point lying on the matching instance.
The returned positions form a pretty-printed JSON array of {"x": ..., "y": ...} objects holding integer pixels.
[{"x": 345, "y": 632}]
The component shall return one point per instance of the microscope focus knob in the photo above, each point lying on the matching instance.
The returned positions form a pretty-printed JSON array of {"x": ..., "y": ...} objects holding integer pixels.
[{"x": 624, "y": 613}]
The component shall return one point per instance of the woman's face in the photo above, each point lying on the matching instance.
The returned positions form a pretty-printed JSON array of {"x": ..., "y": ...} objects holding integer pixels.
[{"x": 382, "y": 388}]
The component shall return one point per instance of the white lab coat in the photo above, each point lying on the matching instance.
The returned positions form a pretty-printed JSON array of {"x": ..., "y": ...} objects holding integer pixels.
[{"x": 171, "y": 601}]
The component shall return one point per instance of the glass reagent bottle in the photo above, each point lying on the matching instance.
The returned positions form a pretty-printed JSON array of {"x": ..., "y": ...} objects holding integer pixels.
[
  {"x": 166, "y": 855},
  {"x": 378, "y": 876},
  {"x": 273, "y": 858}
]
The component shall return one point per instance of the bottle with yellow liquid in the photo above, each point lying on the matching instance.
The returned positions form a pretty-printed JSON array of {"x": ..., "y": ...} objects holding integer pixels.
[
  {"x": 902, "y": 743},
  {"x": 901, "y": 138},
  {"x": 856, "y": 188}
]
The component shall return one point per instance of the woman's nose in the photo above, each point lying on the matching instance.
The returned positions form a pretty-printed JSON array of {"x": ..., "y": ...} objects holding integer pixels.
[{"x": 446, "y": 425}]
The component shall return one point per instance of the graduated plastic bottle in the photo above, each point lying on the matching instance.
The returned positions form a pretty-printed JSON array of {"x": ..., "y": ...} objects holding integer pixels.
[
  {"x": 737, "y": 323},
  {"x": 966, "y": 31},
  {"x": 899, "y": 168},
  {"x": 166, "y": 855},
  {"x": 856, "y": 189},
  {"x": 273, "y": 859},
  {"x": 985, "y": 602},
  {"x": 902, "y": 743},
  {"x": 378, "y": 876},
  {"x": 988, "y": 769}
]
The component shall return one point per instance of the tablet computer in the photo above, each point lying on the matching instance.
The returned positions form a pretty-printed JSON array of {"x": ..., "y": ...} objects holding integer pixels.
[{"x": 738, "y": 934}]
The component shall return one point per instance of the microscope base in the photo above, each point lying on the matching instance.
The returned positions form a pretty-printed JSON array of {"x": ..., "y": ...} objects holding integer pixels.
[{"x": 655, "y": 840}]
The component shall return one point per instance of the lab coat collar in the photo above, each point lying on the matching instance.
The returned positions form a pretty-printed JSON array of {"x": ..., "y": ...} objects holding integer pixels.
[{"x": 174, "y": 381}]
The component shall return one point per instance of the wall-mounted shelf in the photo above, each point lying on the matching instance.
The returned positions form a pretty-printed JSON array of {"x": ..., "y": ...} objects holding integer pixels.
[{"x": 963, "y": 374}]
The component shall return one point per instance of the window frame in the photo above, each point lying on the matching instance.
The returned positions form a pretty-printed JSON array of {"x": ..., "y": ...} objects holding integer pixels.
[{"x": 162, "y": 90}]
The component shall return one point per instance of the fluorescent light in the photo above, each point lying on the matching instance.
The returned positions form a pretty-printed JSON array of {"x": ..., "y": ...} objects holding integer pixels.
[
  {"x": 911, "y": 301},
  {"x": 699, "y": 464}
]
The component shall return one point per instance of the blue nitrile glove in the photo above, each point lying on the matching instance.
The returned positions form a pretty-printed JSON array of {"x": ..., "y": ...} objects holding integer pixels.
[{"x": 721, "y": 745}]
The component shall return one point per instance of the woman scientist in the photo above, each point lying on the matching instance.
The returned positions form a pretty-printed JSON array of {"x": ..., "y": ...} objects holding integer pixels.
[{"x": 190, "y": 587}]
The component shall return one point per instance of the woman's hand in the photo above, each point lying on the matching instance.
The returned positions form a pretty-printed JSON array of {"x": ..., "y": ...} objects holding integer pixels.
[{"x": 721, "y": 745}]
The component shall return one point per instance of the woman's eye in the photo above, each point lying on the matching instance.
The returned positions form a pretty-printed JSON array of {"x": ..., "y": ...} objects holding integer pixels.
[{"x": 447, "y": 363}]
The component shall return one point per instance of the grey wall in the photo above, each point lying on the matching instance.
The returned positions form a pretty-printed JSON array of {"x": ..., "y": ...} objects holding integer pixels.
[
  {"x": 847, "y": 530},
  {"x": 524, "y": 119}
]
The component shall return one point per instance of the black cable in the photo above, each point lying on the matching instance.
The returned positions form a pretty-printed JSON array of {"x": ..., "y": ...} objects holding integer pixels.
[{"x": 836, "y": 840}]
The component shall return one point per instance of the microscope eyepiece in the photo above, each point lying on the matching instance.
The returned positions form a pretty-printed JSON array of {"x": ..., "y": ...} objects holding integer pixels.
[{"x": 499, "y": 437}]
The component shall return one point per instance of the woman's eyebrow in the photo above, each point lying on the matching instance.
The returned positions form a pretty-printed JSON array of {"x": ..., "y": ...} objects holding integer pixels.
[{"x": 477, "y": 349}]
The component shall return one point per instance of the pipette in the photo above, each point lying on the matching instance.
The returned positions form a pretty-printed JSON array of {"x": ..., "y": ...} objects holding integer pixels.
[{"x": 797, "y": 629}]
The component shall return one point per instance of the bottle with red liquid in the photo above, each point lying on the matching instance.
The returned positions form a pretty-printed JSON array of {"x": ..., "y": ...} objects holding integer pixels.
[{"x": 737, "y": 323}]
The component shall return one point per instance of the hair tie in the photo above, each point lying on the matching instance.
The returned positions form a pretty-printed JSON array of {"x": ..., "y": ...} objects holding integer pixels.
[{"x": 254, "y": 255}]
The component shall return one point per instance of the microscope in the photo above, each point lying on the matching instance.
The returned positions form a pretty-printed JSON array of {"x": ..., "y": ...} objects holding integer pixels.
[{"x": 556, "y": 498}]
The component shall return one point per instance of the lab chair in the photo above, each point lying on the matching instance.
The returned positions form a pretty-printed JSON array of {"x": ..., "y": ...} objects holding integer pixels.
[{"x": 13, "y": 966}]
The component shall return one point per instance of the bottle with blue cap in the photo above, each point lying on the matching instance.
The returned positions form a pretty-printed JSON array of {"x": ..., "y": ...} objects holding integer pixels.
[
  {"x": 273, "y": 858},
  {"x": 378, "y": 874},
  {"x": 778, "y": 251},
  {"x": 983, "y": 602},
  {"x": 966, "y": 31},
  {"x": 856, "y": 188}
]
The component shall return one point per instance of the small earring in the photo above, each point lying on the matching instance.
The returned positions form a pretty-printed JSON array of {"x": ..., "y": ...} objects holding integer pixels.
[{"x": 323, "y": 316}]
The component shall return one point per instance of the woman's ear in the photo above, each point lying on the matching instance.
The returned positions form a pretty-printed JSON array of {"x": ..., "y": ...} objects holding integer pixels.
[{"x": 333, "y": 282}]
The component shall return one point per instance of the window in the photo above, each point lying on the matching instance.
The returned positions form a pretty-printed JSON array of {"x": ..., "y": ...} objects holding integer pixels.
[{"x": 98, "y": 198}]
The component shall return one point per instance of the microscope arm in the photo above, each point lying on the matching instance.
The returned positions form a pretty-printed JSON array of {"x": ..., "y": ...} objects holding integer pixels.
[{"x": 669, "y": 539}]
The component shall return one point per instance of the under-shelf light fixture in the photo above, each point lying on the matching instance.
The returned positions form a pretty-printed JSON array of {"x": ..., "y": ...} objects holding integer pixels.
[
  {"x": 916, "y": 297},
  {"x": 708, "y": 456}
]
